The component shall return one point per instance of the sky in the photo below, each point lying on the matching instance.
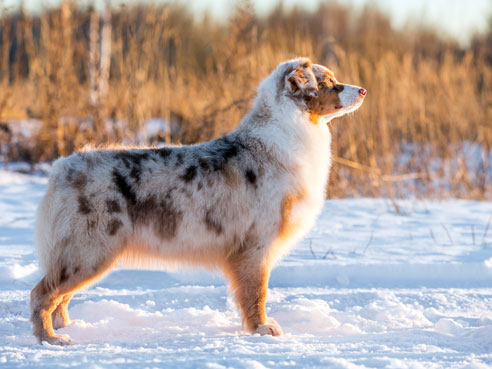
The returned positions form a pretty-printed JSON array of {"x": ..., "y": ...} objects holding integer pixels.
[{"x": 456, "y": 18}]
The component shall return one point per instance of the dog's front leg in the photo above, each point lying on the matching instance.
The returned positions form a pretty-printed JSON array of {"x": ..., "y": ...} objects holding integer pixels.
[{"x": 248, "y": 277}]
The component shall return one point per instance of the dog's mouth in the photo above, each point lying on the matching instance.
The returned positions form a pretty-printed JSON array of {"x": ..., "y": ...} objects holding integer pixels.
[{"x": 338, "y": 107}]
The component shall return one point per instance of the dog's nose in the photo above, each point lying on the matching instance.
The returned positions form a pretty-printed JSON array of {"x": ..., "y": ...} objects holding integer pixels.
[{"x": 362, "y": 91}]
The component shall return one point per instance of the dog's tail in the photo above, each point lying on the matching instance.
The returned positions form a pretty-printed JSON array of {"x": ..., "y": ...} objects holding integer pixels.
[{"x": 47, "y": 216}]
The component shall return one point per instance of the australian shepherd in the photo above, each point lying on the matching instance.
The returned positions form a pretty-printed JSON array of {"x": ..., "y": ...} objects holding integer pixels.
[{"x": 237, "y": 203}]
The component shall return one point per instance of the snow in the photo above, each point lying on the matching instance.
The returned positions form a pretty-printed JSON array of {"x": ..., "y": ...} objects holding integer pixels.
[{"x": 369, "y": 287}]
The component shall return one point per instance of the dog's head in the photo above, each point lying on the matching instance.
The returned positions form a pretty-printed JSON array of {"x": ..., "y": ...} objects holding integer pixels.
[
  {"x": 315, "y": 89},
  {"x": 334, "y": 99}
]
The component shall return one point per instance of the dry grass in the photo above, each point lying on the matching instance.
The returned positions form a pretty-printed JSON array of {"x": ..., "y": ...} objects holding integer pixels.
[{"x": 429, "y": 102}]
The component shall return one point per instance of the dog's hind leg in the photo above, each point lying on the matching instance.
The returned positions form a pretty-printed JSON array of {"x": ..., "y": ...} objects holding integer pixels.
[
  {"x": 249, "y": 282},
  {"x": 60, "y": 316},
  {"x": 50, "y": 299}
]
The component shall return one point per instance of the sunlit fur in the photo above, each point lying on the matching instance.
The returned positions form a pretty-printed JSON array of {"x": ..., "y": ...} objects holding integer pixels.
[{"x": 237, "y": 203}]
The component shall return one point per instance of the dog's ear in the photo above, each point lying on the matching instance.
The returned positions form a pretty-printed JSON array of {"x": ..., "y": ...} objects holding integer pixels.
[{"x": 301, "y": 80}]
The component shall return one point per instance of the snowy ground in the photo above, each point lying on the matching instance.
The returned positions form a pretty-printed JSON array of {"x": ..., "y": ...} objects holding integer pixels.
[{"x": 368, "y": 288}]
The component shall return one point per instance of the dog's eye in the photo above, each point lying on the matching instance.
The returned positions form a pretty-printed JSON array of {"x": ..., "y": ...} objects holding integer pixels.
[{"x": 331, "y": 80}]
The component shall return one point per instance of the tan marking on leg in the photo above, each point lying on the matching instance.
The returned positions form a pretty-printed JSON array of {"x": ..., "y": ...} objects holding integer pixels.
[
  {"x": 60, "y": 317},
  {"x": 249, "y": 282},
  {"x": 44, "y": 301}
]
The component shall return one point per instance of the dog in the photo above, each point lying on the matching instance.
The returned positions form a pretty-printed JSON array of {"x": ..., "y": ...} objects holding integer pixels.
[{"x": 237, "y": 203}]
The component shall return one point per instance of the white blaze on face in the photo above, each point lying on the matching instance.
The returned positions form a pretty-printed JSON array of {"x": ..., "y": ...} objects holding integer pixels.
[{"x": 350, "y": 96}]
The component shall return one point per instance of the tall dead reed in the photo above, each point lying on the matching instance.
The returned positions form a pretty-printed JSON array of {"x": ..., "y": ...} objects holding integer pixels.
[{"x": 425, "y": 128}]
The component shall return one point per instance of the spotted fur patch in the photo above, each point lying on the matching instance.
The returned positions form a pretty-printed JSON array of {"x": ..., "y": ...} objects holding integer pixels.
[
  {"x": 113, "y": 226},
  {"x": 250, "y": 176},
  {"x": 212, "y": 223},
  {"x": 189, "y": 174},
  {"x": 84, "y": 205},
  {"x": 113, "y": 206}
]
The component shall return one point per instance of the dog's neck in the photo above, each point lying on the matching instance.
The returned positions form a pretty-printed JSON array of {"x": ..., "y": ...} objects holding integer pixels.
[
  {"x": 277, "y": 112},
  {"x": 271, "y": 106},
  {"x": 285, "y": 130}
]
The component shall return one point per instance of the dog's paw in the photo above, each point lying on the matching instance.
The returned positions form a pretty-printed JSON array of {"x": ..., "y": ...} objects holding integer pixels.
[
  {"x": 58, "y": 339},
  {"x": 270, "y": 328}
]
